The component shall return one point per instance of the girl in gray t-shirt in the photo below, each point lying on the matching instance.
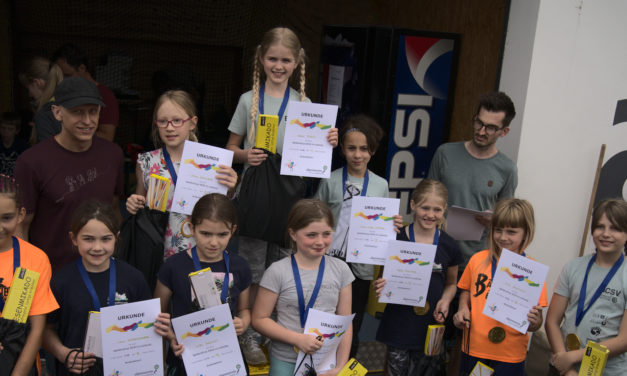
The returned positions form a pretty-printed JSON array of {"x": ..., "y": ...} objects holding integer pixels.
[{"x": 325, "y": 285}]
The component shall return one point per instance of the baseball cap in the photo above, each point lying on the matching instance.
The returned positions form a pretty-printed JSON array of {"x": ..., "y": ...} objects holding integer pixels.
[{"x": 76, "y": 91}]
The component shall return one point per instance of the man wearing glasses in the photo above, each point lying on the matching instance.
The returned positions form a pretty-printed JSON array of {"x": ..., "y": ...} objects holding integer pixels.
[
  {"x": 475, "y": 172},
  {"x": 58, "y": 174}
]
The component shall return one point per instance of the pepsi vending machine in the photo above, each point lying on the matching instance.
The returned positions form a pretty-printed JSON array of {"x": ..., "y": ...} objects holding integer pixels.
[{"x": 404, "y": 79}]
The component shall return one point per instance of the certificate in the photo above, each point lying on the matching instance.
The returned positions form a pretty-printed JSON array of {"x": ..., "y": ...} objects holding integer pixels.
[
  {"x": 332, "y": 329},
  {"x": 306, "y": 151},
  {"x": 407, "y": 273},
  {"x": 197, "y": 175},
  {"x": 371, "y": 227},
  {"x": 130, "y": 345},
  {"x": 461, "y": 223},
  {"x": 211, "y": 346},
  {"x": 516, "y": 288}
]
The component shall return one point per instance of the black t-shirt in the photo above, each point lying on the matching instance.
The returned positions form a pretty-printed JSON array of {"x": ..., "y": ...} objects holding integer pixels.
[
  {"x": 8, "y": 156},
  {"x": 75, "y": 302},
  {"x": 175, "y": 271},
  {"x": 400, "y": 326}
]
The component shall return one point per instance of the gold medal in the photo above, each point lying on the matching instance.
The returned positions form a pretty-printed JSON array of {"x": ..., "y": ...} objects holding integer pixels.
[
  {"x": 496, "y": 334},
  {"x": 296, "y": 349},
  {"x": 572, "y": 342},
  {"x": 421, "y": 311}
]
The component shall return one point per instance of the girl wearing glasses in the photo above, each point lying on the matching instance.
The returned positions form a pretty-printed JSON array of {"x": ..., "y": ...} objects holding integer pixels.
[{"x": 174, "y": 121}]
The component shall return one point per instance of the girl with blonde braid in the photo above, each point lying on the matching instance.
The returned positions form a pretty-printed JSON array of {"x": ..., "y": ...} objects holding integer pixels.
[{"x": 277, "y": 58}]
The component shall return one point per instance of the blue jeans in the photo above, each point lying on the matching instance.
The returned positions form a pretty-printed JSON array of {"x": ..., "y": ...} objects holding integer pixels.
[{"x": 280, "y": 368}]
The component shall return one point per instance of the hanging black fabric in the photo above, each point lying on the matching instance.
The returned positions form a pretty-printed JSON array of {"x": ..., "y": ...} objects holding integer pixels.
[
  {"x": 13, "y": 335},
  {"x": 432, "y": 365},
  {"x": 265, "y": 199},
  {"x": 141, "y": 242}
]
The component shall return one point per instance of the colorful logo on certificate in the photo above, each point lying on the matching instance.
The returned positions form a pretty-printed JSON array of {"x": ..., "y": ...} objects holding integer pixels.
[
  {"x": 493, "y": 308},
  {"x": 409, "y": 261},
  {"x": 182, "y": 203},
  {"x": 116, "y": 373},
  {"x": 130, "y": 328},
  {"x": 373, "y": 217},
  {"x": 326, "y": 336},
  {"x": 519, "y": 277},
  {"x": 355, "y": 253},
  {"x": 389, "y": 294},
  {"x": 291, "y": 165},
  {"x": 310, "y": 125},
  {"x": 206, "y": 167},
  {"x": 205, "y": 332}
]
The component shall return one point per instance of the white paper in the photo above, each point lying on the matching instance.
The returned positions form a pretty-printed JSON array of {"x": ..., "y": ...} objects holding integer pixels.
[
  {"x": 407, "y": 273},
  {"x": 204, "y": 289},
  {"x": 335, "y": 85},
  {"x": 515, "y": 289},
  {"x": 130, "y": 345},
  {"x": 197, "y": 175},
  {"x": 306, "y": 151},
  {"x": 93, "y": 336},
  {"x": 371, "y": 227},
  {"x": 332, "y": 329},
  {"x": 211, "y": 346},
  {"x": 461, "y": 223},
  {"x": 481, "y": 370}
]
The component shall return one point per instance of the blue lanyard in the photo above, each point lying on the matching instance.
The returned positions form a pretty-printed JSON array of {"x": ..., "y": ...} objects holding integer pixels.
[
  {"x": 581, "y": 312},
  {"x": 412, "y": 238},
  {"x": 286, "y": 97},
  {"x": 302, "y": 309},
  {"x": 345, "y": 179},
  {"x": 90, "y": 286},
  {"x": 168, "y": 163},
  {"x": 495, "y": 261},
  {"x": 16, "y": 263},
  {"x": 225, "y": 282}
]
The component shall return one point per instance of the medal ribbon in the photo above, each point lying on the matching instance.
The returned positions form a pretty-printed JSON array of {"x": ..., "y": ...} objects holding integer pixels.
[
  {"x": 302, "y": 309},
  {"x": 16, "y": 263},
  {"x": 225, "y": 255},
  {"x": 90, "y": 286},
  {"x": 345, "y": 179},
  {"x": 412, "y": 237},
  {"x": 581, "y": 312},
  {"x": 169, "y": 165},
  {"x": 286, "y": 97}
]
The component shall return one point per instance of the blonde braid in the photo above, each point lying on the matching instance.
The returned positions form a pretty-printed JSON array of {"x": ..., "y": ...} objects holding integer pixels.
[
  {"x": 254, "y": 108},
  {"x": 301, "y": 57}
]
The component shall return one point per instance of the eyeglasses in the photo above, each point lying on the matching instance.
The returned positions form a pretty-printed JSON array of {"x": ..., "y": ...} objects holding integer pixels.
[
  {"x": 176, "y": 123},
  {"x": 490, "y": 129}
]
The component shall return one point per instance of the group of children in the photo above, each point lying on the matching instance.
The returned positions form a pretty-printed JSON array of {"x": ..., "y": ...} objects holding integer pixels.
[{"x": 312, "y": 273}]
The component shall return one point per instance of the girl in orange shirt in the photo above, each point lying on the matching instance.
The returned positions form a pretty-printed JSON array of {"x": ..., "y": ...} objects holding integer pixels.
[{"x": 492, "y": 343}]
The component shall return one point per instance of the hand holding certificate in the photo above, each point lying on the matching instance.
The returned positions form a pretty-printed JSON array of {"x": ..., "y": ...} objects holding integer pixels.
[
  {"x": 331, "y": 328},
  {"x": 407, "y": 273},
  {"x": 516, "y": 287},
  {"x": 211, "y": 346},
  {"x": 371, "y": 227},
  {"x": 197, "y": 175},
  {"x": 129, "y": 341},
  {"x": 306, "y": 151}
]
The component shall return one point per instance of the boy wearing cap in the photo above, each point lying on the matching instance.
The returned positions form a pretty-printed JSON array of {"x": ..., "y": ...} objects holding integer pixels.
[{"x": 61, "y": 172}]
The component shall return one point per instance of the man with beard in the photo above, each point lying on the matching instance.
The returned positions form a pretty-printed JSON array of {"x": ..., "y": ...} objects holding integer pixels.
[{"x": 475, "y": 172}]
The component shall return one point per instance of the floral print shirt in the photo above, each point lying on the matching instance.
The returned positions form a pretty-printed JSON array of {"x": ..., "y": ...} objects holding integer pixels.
[{"x": 178, "y": 233}]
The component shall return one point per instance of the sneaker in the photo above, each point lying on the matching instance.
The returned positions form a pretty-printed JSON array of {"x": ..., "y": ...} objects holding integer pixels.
[{"x": 250, "y": 347}]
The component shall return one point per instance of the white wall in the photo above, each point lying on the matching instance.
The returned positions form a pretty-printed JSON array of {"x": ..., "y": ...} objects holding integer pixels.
[{"x": 577, "y": 71}]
